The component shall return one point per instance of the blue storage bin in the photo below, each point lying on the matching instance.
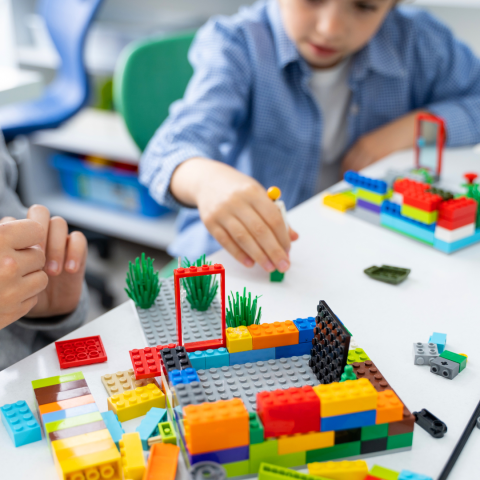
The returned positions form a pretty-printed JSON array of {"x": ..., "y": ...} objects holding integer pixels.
[{"x": 105, "y": 185}]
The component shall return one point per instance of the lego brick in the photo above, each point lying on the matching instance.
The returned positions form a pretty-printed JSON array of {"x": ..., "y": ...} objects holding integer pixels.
[
  {"x": 422, "y": 200},
  {"x": 370, "y": 371},
  {"x": 372, "y": 197},
  {"x": 408, "y": 475},
  {"x": 356, "y": 356},
  {"x": 347, "y": 436},
  {"x": 374, "y": 432},
  {"x": 175, "y": 359},
  {"x": 389, "y": 407},
  {"x": 424, "y": 353},
  {"x": 56, "y": 380},
  {"x": 263, "y": 452},
  {"x": 44, "y": 399},
  {"x": 77, "y": 430},
  {"x": 450, "y": 236},
  {"x": 190, "y": 394},
  {"x": 384, "y": 473},
  {"x": 114, "y": 426},
  {"x": 188, "y": 375},
  {"x": 251, "y": 356},
  {"x": 147, "y": 362},
  {"x": 399, "y": 441},
  {"x": 402, "y": 185},
  {"x": 21, "y": 425},
  {"x": 136, "y": 403},
  {"x": 353, "y": 470},
  {"x": 217, "y": 358},
  {"x": 197, "y": 359},
  {"x": 415, "y": 231},
  {"x": 84, "y": 439},
  {"x": 286, "y": 412},
  {"x": 64, "y": 404},
  {"x": 333, "y": 453},
  {"x": 445, "y": 368},
  {"x": 167, "y": 432},
  {"x": 228, "y": 455},
  {"x": 342, "y": 201},
  {"x": 290, "y": 460},
  {"x": 73, "y": 422},
  {"x": 257, "y": 432},
  {"x": 430, "y": 423},
  {"x": 371, "y": 207},
  {"x": 458, "y": 208},
  {"x": 440, "y": 339},
  {"x": 454, "y": 357},
  {"x": 305, "y": 328},
  {"x": 162, "y": 462},
  {"x": 454, "y": 224},
  {"x": 276, "y": 334},
  {"x": 81, "y": 351},
  {"x": 238, "y": 339},
  {"x": 348, "y": 421},
  {"x": 419, "y": 215},
  {"x": 274, "y": 472},
  {"x": 277, "y": 276},
  {"x": 210, "y": 470},
  {"x": 149, "y": 425},
  {"x": 404, "y": 426},
  {"x": 388, "y": 274},
  {"x": 365, "y": 216},
  {"x": 305, "y": 441},
  {"x": 458, "y": 245},
  {"x": 64, "y": 454},
  {"x": 373, "y": 446},
  {"x": 123, "y": 381},
  {"x": 57, "y": 388},
  {"x": 68, "y": 413},
  {"x": 235, "y": 469},
  {"x": 370, "y": 184},
  {"x": 293, "y": 350},
  {"x": 346, "y": 397},
  {"x": 133, "y": 462}
]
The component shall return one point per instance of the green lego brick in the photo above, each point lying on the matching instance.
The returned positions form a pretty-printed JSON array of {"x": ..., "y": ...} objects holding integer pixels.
[
  {"x": 73, "y": 422},
  {"x": 383, "y": 473},
  {"x": 373, "y": 432},
  {"x": 357, "y": 355},
  {"x": 236, "y": 469},
  {"x": 455, "y": 357},
  {"x": 268, "y": 452},
  {"x": 256, "y": 429},
  {"x": 276, "y": 276},
  {"x": 167, "y": 433},
  {"x": 48, "y": 382},
  {"x": 332, "y": 453},
  {"x": 400, "y": 441},
  {"x": 274, "y": 472},
  {"x": 419, "y": 215},
  {"x": 388, "y": 274},
  {"x": 372, "y": 197}
]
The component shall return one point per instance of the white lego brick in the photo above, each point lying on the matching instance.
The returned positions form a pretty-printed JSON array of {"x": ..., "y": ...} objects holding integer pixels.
[
  {"x": 451, "y": 236},
  {"x": 397, "y": 198}
]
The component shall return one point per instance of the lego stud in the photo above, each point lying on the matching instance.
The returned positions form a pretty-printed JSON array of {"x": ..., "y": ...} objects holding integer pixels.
[{"x": 274, "y": 193}]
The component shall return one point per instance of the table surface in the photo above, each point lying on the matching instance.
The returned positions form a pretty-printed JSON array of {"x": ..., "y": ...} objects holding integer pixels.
[
  {"x": 18, "y": 85},
  {"x": 327, "y": 263}
]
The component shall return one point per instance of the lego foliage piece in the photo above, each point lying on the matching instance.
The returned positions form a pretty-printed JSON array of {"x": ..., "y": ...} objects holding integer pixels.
[
  {"x": 252, "y": 356},
  {"x": 424, "y": 353},
  {"x": 45, "y": 398},
  {"x": 387, "y": 274},
  {"x": 302, "y": 442},
  {"x": 242, "y": 311},
  {"x": 268, "y": 471},
  {"x": 353, "y": 470},
  {"x": 188, "y": 375},
  {"x": 73, "y": 422},
  {"x": 348, "y": 374},
  {"x": 149, "y": 425},
  {"x": 296, "y": 350},
  {"x": 238, "y": 339},
  {"x": 216, "y": 426},
  {"x": 68, "y": 413},
  {"x": 419, "y": 215},
  {"x": 77, "y": 430},
  {"x": 64, "y": 404},
  {"x": 445, "y": 368},
  {"x": 348, "y": 421},
  {"x": 389, "y": 407},
  {"x": 257, "y": 432},
  {"x": 461, "y": 207},
  {"x": 123, "y": 381},
  {"x": 217, "y": 358},
  {"x": 210, "y": 470},
  {"x": 236, "y": 469},
  {"x": 197, "y": 359},
  {"x": 286, "y": 412},
  {"x": 356, "y": 356},
  {"x": 384, "y": 473},
  {"x": 454, "y": 357},
  {"x": 450, "y": 236},
  {"x": 114, "y": 426},
  {"x": 445, "y": 194},
  {"x": 143, "y": 285},
  {"x": 132, "y": 456},
  {"x": 342, "y": 201},
  {"x": 305, "y": 328},
  {"x": 377, "y": 186},
  {"x": 190, "y": 394},
  {"x": 430, "y": 423},
  {"x": 333, "y": 453},
  {"x": 277, "y": 276},
  {"x": 81, "y": 351},
  {"x": 21, "y": 425},
  {"x": 371, "y": 207},
  {"x": 167, "y": 433},
  {"x": 276, "y": 334},
  {"x": 458, "y": 245},
  {"x": 227, "y": 455},
  {"x": 440, "y": 339},
  {"x": 200, "y": 290},
  {"x": 136, "y": 403},
  {"x": 407, "y": 475},
  {"x": 175, "y": 359}
]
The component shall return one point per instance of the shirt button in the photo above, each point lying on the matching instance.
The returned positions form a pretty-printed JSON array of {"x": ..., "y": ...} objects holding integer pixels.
[{"x": 354, "y": 109}]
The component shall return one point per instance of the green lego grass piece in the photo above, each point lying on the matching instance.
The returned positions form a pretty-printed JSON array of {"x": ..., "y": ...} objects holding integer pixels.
[
  {"x": 357, "y": 355},
  {"x": 445, "y": 194},
  {"x": 142, "y": 282},
  {"x": 167, "y": 433},
  {"x": 348, "y": 374},
  {"x": 256, "y": 429},
  {"x": 400, "y": 441},
  {"x": 276, "y": 276},
  {"x": 455, "y": 357},
  {"x": 374, "y": 431},
  {"x": 243, "y": 311},
  {"x": 342, "y": 450},
  {"x": 48, "y": 382},
  {"x": 418, "y": 239},
  {"x": 383, "y": 473},
  {"x": 268, "y": 471},
  {"x": 200, "y": 290},
  {"x": 235, "y": 469},
  {"x": 388, "y": 274},
  {"x": 72, "y": 422}
]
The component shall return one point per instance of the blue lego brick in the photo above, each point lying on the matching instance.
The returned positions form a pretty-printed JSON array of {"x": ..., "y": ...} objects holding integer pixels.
[
  {"x": 217, "y": 358},
  {"x": 69, "y": 413},
  {"x": 114, "y": 426},
  {"x": 21, "y": 425},
  {"x": 252, "y": 356},
  {"x": 458, "y": 245},
  {"x": 293, "y": 350},
  {"x": 229, "y": 455},
  {"x": 377, "y": 186},
  {"x": 407, "y": 475},
  {"x": 345, "y": 422},
  {"x": 440, "y": 339},
  {"x": 403, "y": 226},
  {"x": 188, "y": 375},
  {"x": 305, "y": 328},
  {"x": 197, "y": 359},
  {"x": 149, "y": 425},
  {"x": 395, "y": 210}
]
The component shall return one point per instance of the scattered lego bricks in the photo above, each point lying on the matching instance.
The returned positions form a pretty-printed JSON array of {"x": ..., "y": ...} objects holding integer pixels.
[
  {"x": 21, "y": 425},
  {"x": 149, "y": 426},
  {"x": 81, "y": 351},
  {"x": 430, "y": 423},
  {"x": 388, "y": 274}
]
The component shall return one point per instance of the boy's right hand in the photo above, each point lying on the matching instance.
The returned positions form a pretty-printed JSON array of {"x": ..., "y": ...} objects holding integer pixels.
[
  {"x": 21, "y": 264},
  {"x": 237, "y": 211}
]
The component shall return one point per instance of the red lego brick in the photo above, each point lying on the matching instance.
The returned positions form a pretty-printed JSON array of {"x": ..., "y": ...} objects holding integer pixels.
[
  {"x": 81, "y": 351},
  {"x": 404, "y": 184},
  {"x": 286, "y": 412},
  {"x": 428, "y": 202},
  {"x": 204, "y": 345},
  {"x": 147, "y": 362},
  {"x": 454, "y": 224},
  {"x": 371, "y": 477},
  {"x": 458, "y": 208}
]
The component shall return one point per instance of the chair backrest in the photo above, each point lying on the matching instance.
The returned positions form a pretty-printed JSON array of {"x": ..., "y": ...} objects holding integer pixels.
[{"x": 150, "y": 75}]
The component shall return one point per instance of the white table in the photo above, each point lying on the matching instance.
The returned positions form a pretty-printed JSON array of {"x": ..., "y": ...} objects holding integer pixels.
[
  {"x": 441, "y": 294},
  {"x": 18, "y": 85}
]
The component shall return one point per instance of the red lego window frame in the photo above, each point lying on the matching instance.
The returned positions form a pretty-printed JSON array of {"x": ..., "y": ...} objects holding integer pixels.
[
  {"x": 440, "y": 138},
  {"x": 194, "y": 271}
]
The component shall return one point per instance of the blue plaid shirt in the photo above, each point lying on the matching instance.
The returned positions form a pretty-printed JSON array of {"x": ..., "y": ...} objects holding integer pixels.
[{"x": 249, "y": 103}]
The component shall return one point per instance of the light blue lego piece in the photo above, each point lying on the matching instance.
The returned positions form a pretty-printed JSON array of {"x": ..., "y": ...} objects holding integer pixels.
[
  {"x": 440, "y": 339},
  {"x": 407, "y": 475},
  {"x": 197, "y": 359},
  {"x": 188, "y": 375},
  {"x": 217, "y": 358},
  {"x": 402, "y": 226},
  {"x": 20, "y": 423},
  {"x": 293, "y": 350},
  {"x": 458, "y": 245},
  {"x": 114, "y": 426},
  {"x": 305, "y": 328},
  {"x": 252, "y": 356},
  {"x": 69, "y": 413},
  {"x": 149, "y": 426},
  {"x": 348, "y": 421}
]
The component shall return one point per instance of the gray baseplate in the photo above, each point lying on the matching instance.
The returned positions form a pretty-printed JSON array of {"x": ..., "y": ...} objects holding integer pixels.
[{"x": 159, "y": 322}]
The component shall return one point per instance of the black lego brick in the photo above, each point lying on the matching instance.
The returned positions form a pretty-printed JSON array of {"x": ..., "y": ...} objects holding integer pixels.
[
  {"x": 372, "y": 446},
  {"x": 175, "y": 359}
]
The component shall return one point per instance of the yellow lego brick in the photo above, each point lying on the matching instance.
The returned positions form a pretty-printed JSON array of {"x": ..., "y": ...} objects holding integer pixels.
[
  {"x": 346, "y": 397},
  {"x": 82, "y": 439},
  {"x": 138, "y": 402},
  {"x": 419, "y": 215},
  {"x": 132, "y": 456},
  {"x": 372, "y": 197},
  {"x": 340, "y": 201},
  {"x": 305, "y": 441},
  {"x": 356, "y": 470},
  {"x": 80, "y": 450},
  {"x": 239, "y": 339}
]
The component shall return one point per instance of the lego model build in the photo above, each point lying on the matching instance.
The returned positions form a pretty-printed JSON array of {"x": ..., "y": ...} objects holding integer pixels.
[{"x": 411, "y": 203}]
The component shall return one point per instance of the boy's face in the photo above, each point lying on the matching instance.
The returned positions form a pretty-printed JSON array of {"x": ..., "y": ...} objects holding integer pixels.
[{"x": 327, "y": 31}]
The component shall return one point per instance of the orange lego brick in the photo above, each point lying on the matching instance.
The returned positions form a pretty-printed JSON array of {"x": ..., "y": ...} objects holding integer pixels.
[
  {"x": 216, "y": 426},
  {"x": 277, "y": 334},
  {"x": 64, "y": 404},
  {"x": 389, "y": 407},
  {"x": 163, "y": 462}
]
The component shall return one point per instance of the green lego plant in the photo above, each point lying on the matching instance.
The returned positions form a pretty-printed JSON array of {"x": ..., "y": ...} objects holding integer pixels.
[
  {"x": 142, "y": 282},
  {"x": 473, "y": 192},
  {"x": 200, "y": 290},
  {"x": 242, "y": 311},
  {"x": 348, "y": 374}
]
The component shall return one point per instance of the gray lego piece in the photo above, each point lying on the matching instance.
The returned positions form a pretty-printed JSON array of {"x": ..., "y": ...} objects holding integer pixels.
[
  {"x": 245, "y": 381},
  {"x": 424, "y": 353},
  {"x": 159, "y": 322},
  {"x": 365, "y": 215},
  {"x": 478, "y": 422},
  {"x": 444, "y": 368},
  {"x": 210, "y": 470},
  {"x": 190, "y": 394}
]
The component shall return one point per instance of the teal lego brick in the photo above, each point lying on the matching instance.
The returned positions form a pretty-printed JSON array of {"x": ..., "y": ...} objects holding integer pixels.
[
  {"x": 114, "y": 426},
  {"x": 408, "y": 475},
  {"x": 458, "y": 245},
  {"x": 342, "y": 450},
  {"x": 440, "y": 339},
  {"x": 217, "y": 358},
  {"x": 197, "y": 359},
  {"x": 252, "y": 356},
  {"x": 411, "y": 230},
  {"x": 21, "y": 425},
  {"x": 149, "y": 425}
]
